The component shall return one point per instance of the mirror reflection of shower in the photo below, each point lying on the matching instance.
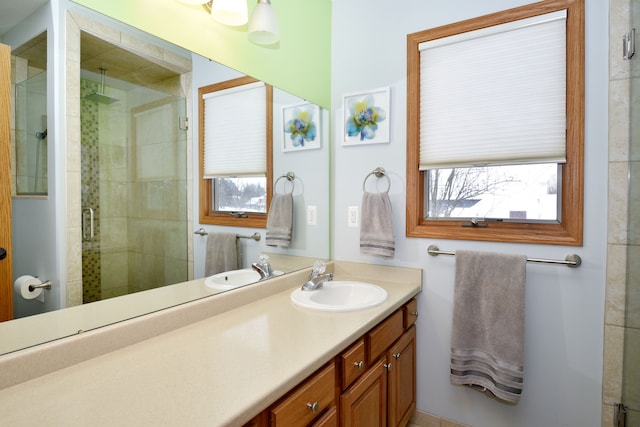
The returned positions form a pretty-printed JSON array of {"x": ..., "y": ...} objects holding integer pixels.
[{"x": 31, "y": 135}]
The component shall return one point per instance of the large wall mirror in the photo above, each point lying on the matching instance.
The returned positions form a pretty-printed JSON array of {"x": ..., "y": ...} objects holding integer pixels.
[{"x": 131, "y": 157}]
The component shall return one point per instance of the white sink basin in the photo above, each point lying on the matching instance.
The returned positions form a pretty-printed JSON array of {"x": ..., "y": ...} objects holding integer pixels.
[
  {"x": 232, "y": 279},
  {"x": 340, "y": 296}
]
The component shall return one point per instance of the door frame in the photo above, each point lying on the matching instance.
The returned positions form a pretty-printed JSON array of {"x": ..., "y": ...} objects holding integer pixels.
[{"x": 6, "y": 275}]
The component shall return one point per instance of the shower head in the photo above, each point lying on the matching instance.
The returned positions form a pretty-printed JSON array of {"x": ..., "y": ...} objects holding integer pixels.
[{"x": 99, "y": 96}]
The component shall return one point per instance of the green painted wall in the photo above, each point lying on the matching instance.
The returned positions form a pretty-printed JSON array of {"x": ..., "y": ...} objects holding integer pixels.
[{"x": 300, "y": 63}]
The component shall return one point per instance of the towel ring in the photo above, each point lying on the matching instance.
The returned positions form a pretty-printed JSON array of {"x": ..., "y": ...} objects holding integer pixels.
[
  {"x": 379, "y": 172},
  {"x": 290, "y": 176}
]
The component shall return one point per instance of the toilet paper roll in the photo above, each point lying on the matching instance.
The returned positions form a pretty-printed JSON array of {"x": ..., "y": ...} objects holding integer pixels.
[{"x": 22, "y": 284}]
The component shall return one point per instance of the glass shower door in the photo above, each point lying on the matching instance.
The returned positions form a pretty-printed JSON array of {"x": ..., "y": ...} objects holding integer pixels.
[
  {"x": 134, "y": 192},
  {"x": 631, "y": 357}
]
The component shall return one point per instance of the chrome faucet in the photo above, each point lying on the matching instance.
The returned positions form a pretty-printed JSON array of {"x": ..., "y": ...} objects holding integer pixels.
[
  {"x": 317, "y": 277},
  {"x": 316, "y": 282},
  {"x": 263, "y": 267}
]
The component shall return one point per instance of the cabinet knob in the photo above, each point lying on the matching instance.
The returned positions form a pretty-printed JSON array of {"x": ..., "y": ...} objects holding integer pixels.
[
  {"x": 314, "y": 407},
  {"x": 388, "y": 366},
  {"x": 359, "y": 364},
  {"x": 397, "y": 355},
  {"x": 414, "y": 314}
]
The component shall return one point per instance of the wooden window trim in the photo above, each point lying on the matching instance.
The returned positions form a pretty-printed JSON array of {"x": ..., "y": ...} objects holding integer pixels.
[
  {"x": 252, "y": 220},
  {"x": 569, "y": 231}
]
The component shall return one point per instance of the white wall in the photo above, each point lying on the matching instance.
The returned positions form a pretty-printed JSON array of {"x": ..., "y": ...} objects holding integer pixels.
[
  {"x": 34, "y": 219},
  {"x": 564, "y": 307}
]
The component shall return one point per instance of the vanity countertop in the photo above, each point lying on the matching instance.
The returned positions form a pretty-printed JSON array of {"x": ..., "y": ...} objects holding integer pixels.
[{"x": 222, "y": 370}]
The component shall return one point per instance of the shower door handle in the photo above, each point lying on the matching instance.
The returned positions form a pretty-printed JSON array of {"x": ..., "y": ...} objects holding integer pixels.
[{"x": 87, "y": 224}]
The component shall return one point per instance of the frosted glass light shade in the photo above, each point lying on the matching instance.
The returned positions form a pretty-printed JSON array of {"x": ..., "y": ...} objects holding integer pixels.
[
  {"x": 230, "y": 12},
  {"x": 263, "y": 26}
]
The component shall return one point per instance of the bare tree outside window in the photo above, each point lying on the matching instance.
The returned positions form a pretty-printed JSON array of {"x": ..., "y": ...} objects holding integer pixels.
[
  {"x": 496, "y": 192},
  {"x": 240, "y": 194}
]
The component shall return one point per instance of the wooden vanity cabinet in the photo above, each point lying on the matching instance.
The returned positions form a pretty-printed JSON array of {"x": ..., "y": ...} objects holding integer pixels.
[
  {"x": 373, "y": 382},
  {"x": 385, "y": 395}
]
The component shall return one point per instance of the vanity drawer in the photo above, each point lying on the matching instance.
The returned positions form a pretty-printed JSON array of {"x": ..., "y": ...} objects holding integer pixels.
[
  {"x": 353, "y": 363},
  {"x": 308, "y": 401},
  {"x": 330, "y": 419},
  {"x": 410, "y": 313},
  {"x": 385, "y": 334}
]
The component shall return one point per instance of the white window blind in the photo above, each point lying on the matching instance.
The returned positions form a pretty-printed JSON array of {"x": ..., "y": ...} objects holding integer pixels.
[
  {"x": 495, "y": 96},
  {"x": 235, "y": 131}
]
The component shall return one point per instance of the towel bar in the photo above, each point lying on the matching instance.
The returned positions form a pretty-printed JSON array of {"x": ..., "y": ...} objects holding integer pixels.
[
  {"x": 255, "y": 236},
  {"x": 290, "y": 177},
  {"x": 379, "y": 172},
  {"x": 571, "y": 260}
]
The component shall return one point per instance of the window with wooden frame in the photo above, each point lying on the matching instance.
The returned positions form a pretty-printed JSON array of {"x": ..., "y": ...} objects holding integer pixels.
[
  {"x": 492, "y": 102},
  {"x": 235, "y": 152}
]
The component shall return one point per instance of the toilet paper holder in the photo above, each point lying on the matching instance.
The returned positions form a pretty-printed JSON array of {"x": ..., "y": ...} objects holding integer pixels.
[{"x": 44, "y": 285}]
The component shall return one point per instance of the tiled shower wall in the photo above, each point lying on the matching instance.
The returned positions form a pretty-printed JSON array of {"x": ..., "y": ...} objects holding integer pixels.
[
  {"x": 622, "y": 318},
  {"x": 90, "y": 135}
]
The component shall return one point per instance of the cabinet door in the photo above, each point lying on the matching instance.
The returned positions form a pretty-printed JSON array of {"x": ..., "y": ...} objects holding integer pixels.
[
  {"x": 365, "y": 402},
  {"x": 402, "y": 379}
]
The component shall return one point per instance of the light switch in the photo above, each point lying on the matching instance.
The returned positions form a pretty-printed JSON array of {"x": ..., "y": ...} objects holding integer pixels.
[
  {"x": 352, "y": 216},
  {"x": 312, "y": 215}
]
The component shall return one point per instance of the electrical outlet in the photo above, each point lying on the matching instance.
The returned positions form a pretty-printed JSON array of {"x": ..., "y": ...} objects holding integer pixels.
[
  {"x": 312, "y": 215},
  {"x": 352, "y": 216}
]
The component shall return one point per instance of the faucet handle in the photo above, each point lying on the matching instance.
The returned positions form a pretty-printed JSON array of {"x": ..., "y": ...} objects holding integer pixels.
[
  {"x": 265, "y": 263},
  {"x": 318, "y": 267}
]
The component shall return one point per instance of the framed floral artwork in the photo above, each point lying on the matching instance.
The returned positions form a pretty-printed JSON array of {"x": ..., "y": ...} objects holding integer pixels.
[
  {"x": 366, "y": 117},
  {"x": 301, "y": 127}
]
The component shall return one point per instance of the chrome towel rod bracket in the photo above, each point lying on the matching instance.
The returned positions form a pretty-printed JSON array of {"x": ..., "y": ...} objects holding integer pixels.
[{"x": 571, "y": 260}]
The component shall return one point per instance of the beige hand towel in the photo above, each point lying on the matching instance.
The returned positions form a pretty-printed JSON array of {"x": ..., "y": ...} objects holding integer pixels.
[
  {"x": 376, "y": 230},
  {"x": 487, "y": 339},
  {"x": 280, "y": 220},
  {"x": 222, "y": 253}
]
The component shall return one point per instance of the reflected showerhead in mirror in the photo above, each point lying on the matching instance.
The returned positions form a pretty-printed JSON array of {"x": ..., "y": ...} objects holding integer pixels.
[{"x": 100, "y": 96}]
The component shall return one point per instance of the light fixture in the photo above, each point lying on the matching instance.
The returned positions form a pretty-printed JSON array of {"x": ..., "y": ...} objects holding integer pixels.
[
  {"x": 230, "y": 12},
  {"x": 263, "y": 26}
]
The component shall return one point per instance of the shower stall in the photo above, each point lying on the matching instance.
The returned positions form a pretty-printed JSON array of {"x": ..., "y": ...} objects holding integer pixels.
[{"x": 133, "y": 183}]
